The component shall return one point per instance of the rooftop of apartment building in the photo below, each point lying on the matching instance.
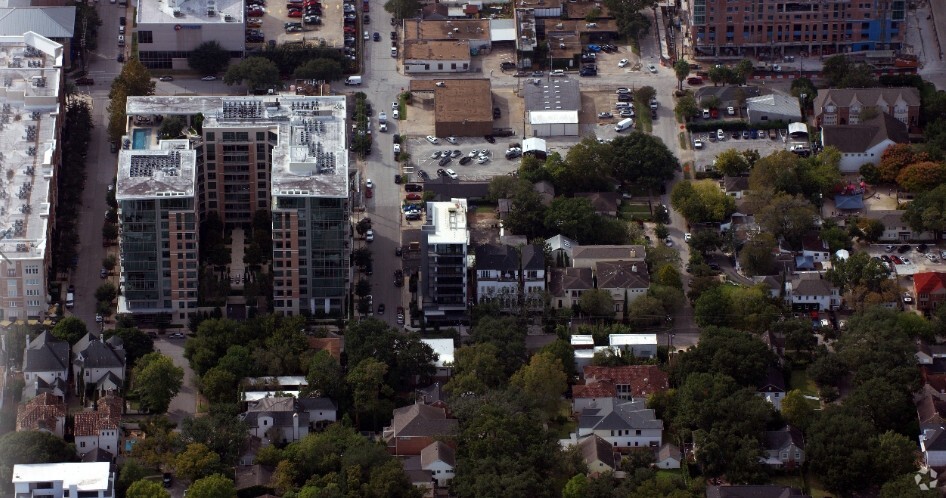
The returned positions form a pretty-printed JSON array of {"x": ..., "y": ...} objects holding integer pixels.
[
  {"x": 30, "y": 72},
  {"x": 310, "y": 158},
  {"x": 187, "y": 13},
  {"x": 451, "y": 29},
  {"x": 168, "y": 171},
  {"x": 446, "y": 222}
]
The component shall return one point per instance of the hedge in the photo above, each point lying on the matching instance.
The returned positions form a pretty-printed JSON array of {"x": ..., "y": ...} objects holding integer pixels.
[{"x": 729, "y": 125}]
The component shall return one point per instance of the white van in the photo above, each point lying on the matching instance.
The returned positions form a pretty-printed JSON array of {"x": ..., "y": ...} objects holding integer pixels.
[
  {"x": 70, "y": 300},
  {"x": 353, "y": 80},
  {"x": 624, "y": 124}
]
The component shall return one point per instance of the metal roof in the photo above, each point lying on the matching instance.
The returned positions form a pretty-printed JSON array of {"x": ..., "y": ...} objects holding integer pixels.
[
  {"x": 51, "y": 22},
  {"x": 553, "y": 117}
]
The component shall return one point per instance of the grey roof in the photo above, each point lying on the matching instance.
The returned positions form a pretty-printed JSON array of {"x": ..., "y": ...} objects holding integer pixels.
[
  {"x": 889, "y": 217},
  {"x": 100, "y": 355},
  {"x": 810, "y": 285},
  {"x": 562, "y": 280},
  {"x": 622, "y": 275},
  {"x": 504, "y": 258},
  {"x": 97, "y": 455},
  {"x": 602, "y": 202},
  {"x": 858, "y": 138},
  {"x": 728, "y": 94},
  {"x": 282, "y": 409},
  {"x": 109, "y": 382},
  {"x": 843, "y": 97},
  {"x": 735, "y": 183},
  {"x": 51, "y": 22},
  {"x": 46, "y": 354},
  {"x": 57, "y": 387},
  {"x": 311, "y": 404},
  {"x": 775, "y": 103},
  {"x": 782, "y": 438},
  {"x": 935, "y": 440},
  {"x": 595, "y": 447},
  {"x": 422, "y": 420},
  {"x": 669, "y": 451},
  {"x": 561, "y": 242},
  {"x": 754, "y": 491},
  {"x": 773, "y": 382},
  {"x": 553, "y": 94},
  {"x": 437, "y": 450},
  {"x": 627, "y": 415},
  {"x": 610, "y": 252}
]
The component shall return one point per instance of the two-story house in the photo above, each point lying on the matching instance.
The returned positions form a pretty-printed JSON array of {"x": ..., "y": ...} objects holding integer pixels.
[
  {"x": 933, "y": 446},
  {"x": 433, "y": 469},
  {"x": 98, "y": 363},
  {"x": 46, "y": 359},
  {"x": 630, "y": 382},
  {"x": 784, "y": 448},
  {"x": 811, "y": 292},
  {"x": 929, "y": 289},
  {"x": 100, "y": 429},
  {"x": 624, "y": 424},
  {"x": 895, "y": 228},
  {"x": 45, "y": 412},
  {"x": 417, "y": 426},
  {"x": 498, "y": 276},
  {"x": 566, "y": 285},
  {"x": 285, "y": 419},
  {"x": 812, "y": 246},
  {"x": 772, "y": 387},
  {"x": 589, "y": 256},
  {"x": 64, "y": 480},
  {"x": 844, "y": 106},
  {"x": 865, "y": 142},
  {"x": 624, "y": 280}
]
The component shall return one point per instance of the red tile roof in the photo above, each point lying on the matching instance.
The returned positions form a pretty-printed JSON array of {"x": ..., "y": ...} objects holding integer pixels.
[
  {"x": 603, "y": 381},
  {"x": 929, "y": 282},
  {"x": 40, "y": 412},
  {"x": 91, "y": 423}
]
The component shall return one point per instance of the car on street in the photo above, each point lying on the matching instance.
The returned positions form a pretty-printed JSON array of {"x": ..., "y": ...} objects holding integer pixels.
[
  {"x": 433, "y": 140},
  {"x": 99, "y": 318},
  {"x": 687, "y": 237},
  {"x": 731, "y": 111},
  {"x": 669, "y": 242},
  {"x": 452, "y": 174},
  {"x": 896, "y": 260},
  {"x": 907, "y": 261},
  {"x": 166, "y": 78},
  {"x": 907, "y": 298},
  {"x": 412, "y": 216},
  {"x": 423, "y": 174},
  {"x": 652, "y": 68},
  {"x": 559, "y": 73},
  {"x": 720, "y": 135},
  {"x": 465, "y": 160},
  {"x": 456, "y": 153},
  {"x": 381, "y": 309},
  {"x": 395, "y": 114},
  {"x": 209, "y": 78},
  {"x": 400, "y": 315},
  {"x": 166, "y": 478},
  {"x": 697, "y": 144},
  {"x": 377, "y": 36},
  {"x": 623, "y": 63},
  {"x": 413, "y": 187},
  {"x": 369, "y": 235},
  {"x": 904, "y": 249},
  {"x": 413, "y": 197},
  {"x": 103, "y": 273},
  {"x": 481, "y": 160},
  {"x": 369, "y": 183},
  {"x": 435, "y": 154},
  {"x": 176, "y": 335},
  {"x": 745, "y": 134}
]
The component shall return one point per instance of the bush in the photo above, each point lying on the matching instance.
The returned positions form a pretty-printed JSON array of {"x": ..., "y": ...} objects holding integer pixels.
[{"x": 704, "y": 126}]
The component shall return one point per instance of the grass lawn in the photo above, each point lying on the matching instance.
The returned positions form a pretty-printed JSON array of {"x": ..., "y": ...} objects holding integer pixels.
[
  {"x": 816, "y": 489},
  {"x": 631, "y": 211},
  {"x": 801, "y": 382},
  {"x": 488, "y": 209},
  {"x": 642, "y": 111},
  {"x": 402, "y": 106},
  {"x": 669, "y": 475}
]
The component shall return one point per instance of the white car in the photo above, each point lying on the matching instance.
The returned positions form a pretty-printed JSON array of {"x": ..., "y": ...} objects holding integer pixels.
[
  {"x": 383, "y": 127},
  {"x": 720, "y": 135},
  {"x": 652, "y": 68},
  {"x": 369, "y": 183},
  {"x": 668, "y": 242},
  {"x": 369, "y": 235},
  {"x": 435, "y": 154},
  {"x": 397, "y": 148},
  {"x": 452, "y": 140},
  {"x": 209, "y": 78},
  {"x": 907, "y": 298},
  {"x": 382, "y": 117},
  {"x": 697, "y": 144},
  {"x": 395, "y": 106},
  {"x": 395, "y": 114},
  {"x": 557, "y": 73},
  {"x": 623, "y": 63},
  {"x": 452, "y": 174},
  {"x": 474, "y": 153},
  {"x": 432, "y": 139},
  {"x": 482, "y": 160},
  {"x": 731, "y": 111}
]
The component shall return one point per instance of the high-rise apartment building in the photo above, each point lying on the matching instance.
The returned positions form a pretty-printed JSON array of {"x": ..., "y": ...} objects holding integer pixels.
[
  {"x": 444, "y": 259},
  {"x": 772, "y": 27},
  {"x": 157, "y": 214},
  {"x": 31, "y": 120},
  {"x": 283, "y": 154}
]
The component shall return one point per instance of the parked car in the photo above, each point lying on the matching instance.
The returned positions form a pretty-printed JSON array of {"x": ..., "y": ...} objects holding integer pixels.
[
  {"x": 432, "y": 139},
  {"x": 652, "y": 68},
  {"x": 452, "y": 174},
  {"x": 623, "y": 63},
  {"x": 413, "y": 187}
]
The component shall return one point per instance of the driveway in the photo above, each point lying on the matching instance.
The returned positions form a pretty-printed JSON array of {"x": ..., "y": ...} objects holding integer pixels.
[{"x": 185, "y": 403}]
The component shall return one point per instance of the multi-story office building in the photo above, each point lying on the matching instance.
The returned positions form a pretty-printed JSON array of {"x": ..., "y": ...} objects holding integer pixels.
[
  {"x": 31, "y": 100},
  {"x": 785, "y": 27},
  {"x": 444, "y": 259},
  {"x": 283, "y": 154},
  {"x": 169, "y": 30},
  {"x": 158, "y": 217}
]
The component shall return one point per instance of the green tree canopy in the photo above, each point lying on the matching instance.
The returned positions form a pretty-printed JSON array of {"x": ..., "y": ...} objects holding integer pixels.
[
  {"x": 542, "y": 382},
  {"x": 681, "y": 69},
  {"x": 701, "y": 201},
  {"x": 757, "y": 255},
  {"x": 135, "y": 342},
  {"x": 156, "y": 381},
  {"x": 213, "y": 486},
  {"x": 927, "y": 212},
  {"x": 254, "y": 72},
  {"x": 23, "y": 447},
  {"x": 738, "y": 355},
  {"x": 642, "y": 158},
  {"x": 732, "y": 162},
  {"x": 320, "y": 70},
  {"x": 70, "y": 329},
  {"x": 787, "y": 217},
  {"x": 597, "y": 303},
  {"x": 147, "y": 488},
  {"x": 209, "y": 58},
  {"x": 196, "y": 461},
  {"x": 402, "y": 9},
  {"x": 841, "y": 72}
]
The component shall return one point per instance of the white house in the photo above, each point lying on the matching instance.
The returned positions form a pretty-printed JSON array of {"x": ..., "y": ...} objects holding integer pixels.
[
  {"x": 277, "y": 419},
  {"x": 772, "y": 388},
  {"x": 64, "y": 480},
  {"x": 444, "y": 349},
  {"x": 895, "y": 229},
  {"x": 669, "y": 457},
  {"x": 784, "y": 448},
  {"x": 811, "y": 292},
  {"x": 100, "y": 429},
  {"x": 436, "y": 57},
  {"x": 933, "y": 446},
  {"x": 864, "y": 143},
  {"x": 639, "y": 345},
  {"x": 47, "y": 359},
  {"x": 623, "y": 424},
  {"x": 817, "y": 249},
  {"x": 498, "y": 274},
  {"x": 440, "y": 460}
]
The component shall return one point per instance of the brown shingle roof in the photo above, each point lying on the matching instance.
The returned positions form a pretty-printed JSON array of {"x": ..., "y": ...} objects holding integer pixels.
[
  {"x": 91, "y": 423},
  {"x": 603, "y": 202},
  {"x": 858, "y": 138},
  {"x": 437, "y": 450},
  {"x": 642, "y": 379},
  {"x": 613, "y": 253},
  {"x": 39, "y": 413},
  {"x": 331, "y": 344},
  {"x": 422, "y": 420},
  {"x": 622, "y": 275},
  {"x": 869, "y": 97},
  {"x": 595, "y": 447},
  {"x": 563, "y": 280}
]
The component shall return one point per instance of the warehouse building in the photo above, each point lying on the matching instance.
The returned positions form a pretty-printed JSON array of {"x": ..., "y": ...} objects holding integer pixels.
[
  {"x": 553, "y": 105},
  {"x": 463, "y": 108}
]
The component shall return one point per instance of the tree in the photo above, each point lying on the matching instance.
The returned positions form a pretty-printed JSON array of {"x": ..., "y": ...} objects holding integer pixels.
[
  {"x": 731, "y": 162},
  {"x": 213, "y": 486},
  {"x": 325, "y": 376},
  {"x": 131, "y": 471},
  {"x": 477, "y": 369},
  {"x": 134, "y": 79},
  {"x": 841, "y": 72},
  {"x": 156, "y": 381},
  {"x": 172, "y": 126},
  {"x": 647, "y": 312},
  {"x": 135, "y": 342},
  {"x": 744, "y": 308},
  {"x": 686, "y": 107},
  {"x": 402, "y": 9},
  {"x": 25, "y": 447},
  {"x": 838, "y": 450},
  {"x": 787, "y": 217},
  {"x": 196, "y": 461},
  {"x": 527, "y": 213},
  {"x": 319, "y": 70},
  {"x": 877, "y": 344},
  {"x": 927, "y": 212},
  {"x": 701, "y": 201},
  {"x": 109, "y": 262},
  {"x": 906, "y": 486},
  {"x": 574, "y": 217},
  {"x": 221, "y": 431},
  {"x": 106, "y": 292},
  {"x": 362, "y": 287},
  {"x": 576, "y": 487},
  {"x": 208, "y": 58},
  {"x": 368, "y": 386},
  {"x": 922, "y": 176},
  {"x": 895, "y": 158},
  {"x": 642, "y": 158},
  {"x": 857, "y": 270},
  {"x": 509, "y": 338},
  {"x": 219, "y": 385},
  {"x": 542, "y": 382},
  {"x": 147, "y": 488},
  {"x": 70, "y": 329},
  {"x": 565, "y": 353},
  {"x": 736, "y": 354},
  {"x": 871, "y": 228},
  {"x": 706, "y": 241},
  {"x": 682, "y": 69},
  {"x": 660, "y": 255},
  {"x": 597, "y": 303},
  {"x": 744, "y": 70},
  {"x": 631, "y": 22},
  {"x": 797, "y": 410},
  {"x": 804, "y": 86},
  {"x": 254, "y": 72}
]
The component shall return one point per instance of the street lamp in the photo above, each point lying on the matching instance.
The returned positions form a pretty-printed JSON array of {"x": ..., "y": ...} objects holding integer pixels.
[{"x": 803, "y": 96}]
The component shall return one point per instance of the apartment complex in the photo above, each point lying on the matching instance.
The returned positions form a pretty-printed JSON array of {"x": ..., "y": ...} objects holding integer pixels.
[
  {"x": 282, "y": 154},
  {"x": 63, "y": 480},
  {"x": 169, "y": 31},
  {"x": 157, "y": 213},
  {"x": 30, "y": 129},
  {"x": 820, "y": 27},
  {"x": 444, "y": 257}
]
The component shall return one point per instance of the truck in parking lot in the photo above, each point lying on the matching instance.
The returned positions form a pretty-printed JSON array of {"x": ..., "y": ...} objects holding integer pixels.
[{"x": 624, "y": 124}]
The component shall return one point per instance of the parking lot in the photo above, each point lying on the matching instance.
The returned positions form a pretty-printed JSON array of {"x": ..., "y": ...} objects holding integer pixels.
[
  {"x": 913, "y": 260},
  {"x": 712, "y": 146},
  {"x": 421, "y": 151},
  {"x": 277, "y": 15}
]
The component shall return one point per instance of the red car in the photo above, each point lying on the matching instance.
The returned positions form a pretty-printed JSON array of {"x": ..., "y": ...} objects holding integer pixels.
[
  {"x": 295, "y": 13},
  {"x": 896, "y": 260},
  {"x": 369, "y": 193},
  {"x": 412, "y": 197},
  {"x": 350, "y": 29},
  {"x": 255, "y": 13}
]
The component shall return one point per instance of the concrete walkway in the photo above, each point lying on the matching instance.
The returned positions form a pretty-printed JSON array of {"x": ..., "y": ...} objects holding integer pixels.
[{"x": 237, "y": 266}]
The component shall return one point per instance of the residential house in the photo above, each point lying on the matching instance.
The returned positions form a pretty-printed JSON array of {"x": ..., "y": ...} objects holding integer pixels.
[
  {"x": 589, "y": 256},
  {"x": 772, "y": 388},
  {"x": 322, "y": 411},
  {"x": 415, "y": 427},
  {"x": 735, "y": 186},
  {"x": 929, "y": 289},
  {"x": 47, "y": 359},
  {"x": 930, "y": 408},
  {"x": 546, "y": 191},
  {"x": 623, "y": 424},
  {"x": 784, "y": 448},
  {"x": 817, "y": 249},
  {"x": 624, "y": 280},
  {"x": 585, "y": 349},
  {"x": 639, "y": 345},
  {"x": 440, "y": 459},
  {"x": 98, "y": 363},
  {"x": 926, "y": 353},
  {"x": 864, "y": 143},
  {"x": 566, "y": 285},
  {"x": 811, "y": 292},
  {"x": 444, "y": 349},
  {"x": 285, "y": 419},
  {"x": 669, "y": 457},
  {"x": 933, "y": 446},
  {"x": 561, "y": 249},
  {"x": 895, "y": 228},
  {"x": 604, "y": 203},
  {"x": 843, "y": 106},
  {"x": 45, "y": 412},
  {"x": 501, "y": 269},
  {"x": 598, "y": 454},
  {"x": 634, "y": 382},
  {"x": 754, "y": 491},
  {"x": 64, "y": 480},
  {"x": 100, "y": 429}
]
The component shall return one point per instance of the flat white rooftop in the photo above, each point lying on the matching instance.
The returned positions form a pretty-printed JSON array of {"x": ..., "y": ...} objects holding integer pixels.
[
  {"x": 446, "y": 222},
  {"x": 168, "y": 171},
  {"x": 444, "y": 349},
  {"x": 91, "y": 476},
  {"x": 583, "y": 340},
  {"x": 632, "y": 339},
  {"x": 187, "y": 13}
]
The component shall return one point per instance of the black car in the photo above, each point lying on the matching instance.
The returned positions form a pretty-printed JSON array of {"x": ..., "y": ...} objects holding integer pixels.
[
  {"x": 121, "y": 58},
  {"x": 397, "y": 179},
  {"x": 369, "y": 269},
  {"x": 398, "y": 251},
  {"x": 396, "y": 138},
  {"x": 444, "y": 161},
  {"x": 465, "y": 160},
  {"x": 377, "y": 36},
  {"x": 366, "y": 19},
  {"x": 122, "y": 21},
  {"x": 587, "y": 71},
  {"x": 441, "y": 172},
  {"x": 490, "y": 139},
  {"x": 922, "y": 248},
  {"x": 885, "y": 258},
  {"x": 497, "y": 113},
  {"x": 413, "y": 216},
  {"x": 904, "y": 248},
  {"x": 413, "y": 187},
  {"x": 166, "y": 479},
  {"x": 398, "y": 278},
  {"x": 423, "y": 174}
]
